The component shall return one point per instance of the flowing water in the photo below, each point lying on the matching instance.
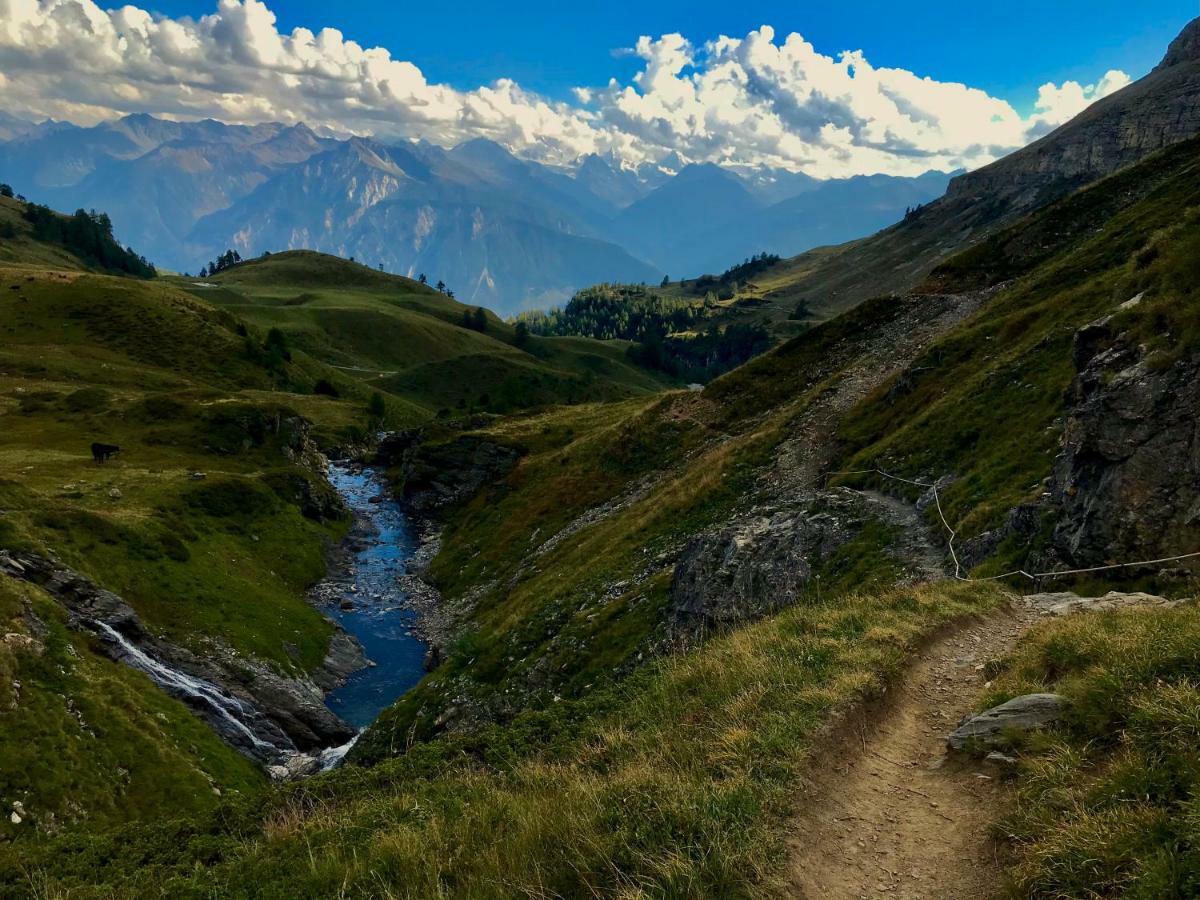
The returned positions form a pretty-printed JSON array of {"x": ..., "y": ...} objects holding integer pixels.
[
  {"x": 366, "y": 600},
  {"x": 377, "y": 615},
  {"x": 228, "y": 714}
]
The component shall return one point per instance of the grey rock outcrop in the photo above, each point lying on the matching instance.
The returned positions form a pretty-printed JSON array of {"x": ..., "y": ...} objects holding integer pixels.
[
  {"x": 1022, "y": 522},
  {"x": 315, "y": 498},
  {"x": 437, "y": 475},
  {"x": 992, "y": 727},
  {"x": 83, "y": 600},
  {"x": 1064, "y": 603},
  {"x": 1127, "y": 482},
  {"x": 753, "y": 566}
]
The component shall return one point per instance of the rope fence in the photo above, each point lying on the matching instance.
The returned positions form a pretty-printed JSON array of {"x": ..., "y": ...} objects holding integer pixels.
[{"x": 952, "y": 534}]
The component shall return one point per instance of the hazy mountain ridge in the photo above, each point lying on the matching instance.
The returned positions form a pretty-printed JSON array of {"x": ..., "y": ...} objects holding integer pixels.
[{"x": 504, "y": 231}]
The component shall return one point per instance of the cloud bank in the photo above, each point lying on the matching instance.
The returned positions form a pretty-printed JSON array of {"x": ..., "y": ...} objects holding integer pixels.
[{"x": 742, "y": 101}]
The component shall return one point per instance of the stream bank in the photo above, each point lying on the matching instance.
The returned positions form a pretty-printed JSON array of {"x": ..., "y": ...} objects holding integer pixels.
[{"x": 292, "y": 725}]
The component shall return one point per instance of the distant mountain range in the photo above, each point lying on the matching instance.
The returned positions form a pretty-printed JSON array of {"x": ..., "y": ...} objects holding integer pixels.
[{"x": 500, "y": 231}]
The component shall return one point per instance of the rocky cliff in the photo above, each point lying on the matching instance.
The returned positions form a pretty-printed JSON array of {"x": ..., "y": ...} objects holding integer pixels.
[
  {"x": 1127, "y": 483},
  {"x": 1152, "y": 113}
]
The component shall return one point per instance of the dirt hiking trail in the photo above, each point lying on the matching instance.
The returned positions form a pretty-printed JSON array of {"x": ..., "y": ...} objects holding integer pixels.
[{"x": 885, "y": 812}]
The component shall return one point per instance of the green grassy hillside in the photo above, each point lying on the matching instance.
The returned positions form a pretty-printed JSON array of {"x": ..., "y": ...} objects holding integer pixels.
[
  {"x": 985, "y": 403},
  {"x": 555, "y": 625},
  {"x": 90, "y": 743},
  {"x": 677, "y": 782},
  {"x": 396, "y": 335},
  {"x": 19, "y": 248},
  {"x": 557, "y": 750},
  {"x": 189, "y": 380},
  {"x": 170, "y": 380}
]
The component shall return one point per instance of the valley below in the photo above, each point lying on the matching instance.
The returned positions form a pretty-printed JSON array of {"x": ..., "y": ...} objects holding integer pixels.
[{"x": 317, "y": 581}]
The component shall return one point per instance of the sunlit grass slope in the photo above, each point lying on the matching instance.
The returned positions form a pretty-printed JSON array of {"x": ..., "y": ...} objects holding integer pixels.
[{"x": 677, "y": 782}]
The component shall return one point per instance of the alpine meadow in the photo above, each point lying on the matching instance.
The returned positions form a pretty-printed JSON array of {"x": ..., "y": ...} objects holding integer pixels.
[{"x": 500, "y": 453}]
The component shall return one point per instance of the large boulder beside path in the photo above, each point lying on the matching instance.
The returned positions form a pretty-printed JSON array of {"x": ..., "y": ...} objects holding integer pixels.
[
  {"x": 1064, "y": 603},
  {"x": 994, "y": 726}
]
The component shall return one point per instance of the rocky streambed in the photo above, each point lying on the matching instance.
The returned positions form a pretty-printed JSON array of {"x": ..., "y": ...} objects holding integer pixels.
[
  {"x": 293, "y": 725},
  {"x": 368, "y": 593}
]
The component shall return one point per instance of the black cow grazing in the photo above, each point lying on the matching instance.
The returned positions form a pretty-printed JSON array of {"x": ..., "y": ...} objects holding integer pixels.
[{"x": 101, "y": 452}]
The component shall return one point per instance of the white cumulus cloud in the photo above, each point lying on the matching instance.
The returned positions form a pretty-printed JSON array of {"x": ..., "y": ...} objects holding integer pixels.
[
  {"x": 1058, "y": 103},
  {"x": 752, "y": 100}
]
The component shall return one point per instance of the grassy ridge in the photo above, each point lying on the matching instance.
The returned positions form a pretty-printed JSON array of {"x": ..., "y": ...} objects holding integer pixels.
[
  {"x": 22, "y": 249},
  {"x": 151, "y": 370},
  {"x": 396, "y": 335}
]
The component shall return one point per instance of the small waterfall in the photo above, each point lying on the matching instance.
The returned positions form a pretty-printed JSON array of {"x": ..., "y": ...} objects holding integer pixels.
[
  {"x": 227, "y": 710},
  {"x": 331, "y": 757}
]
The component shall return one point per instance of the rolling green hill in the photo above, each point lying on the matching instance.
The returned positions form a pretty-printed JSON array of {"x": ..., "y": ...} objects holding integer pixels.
[
  {"x": 187, "y": 379},
  {"x": 142, "y": 365},
  {"x": 396, "y": 335}
]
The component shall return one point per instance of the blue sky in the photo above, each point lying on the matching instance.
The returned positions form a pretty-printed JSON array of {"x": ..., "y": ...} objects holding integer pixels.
[
  {"x": 832, "y": 90},
  {"x": 1007, "y": 48}
]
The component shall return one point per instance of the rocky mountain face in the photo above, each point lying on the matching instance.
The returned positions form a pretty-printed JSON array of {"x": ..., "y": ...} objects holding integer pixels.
[
  {"x": 500, "y": 231},
  {"x": 1152, "y": 113},
  {"x": 1127, "y": 484}
]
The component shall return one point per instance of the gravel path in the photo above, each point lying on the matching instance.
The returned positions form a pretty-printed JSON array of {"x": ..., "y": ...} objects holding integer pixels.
[{"x": 886, "y": 813}]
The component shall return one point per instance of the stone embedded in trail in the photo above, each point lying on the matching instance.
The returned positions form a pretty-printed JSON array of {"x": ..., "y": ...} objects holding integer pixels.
[{"x": 1023, "y": 713}]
